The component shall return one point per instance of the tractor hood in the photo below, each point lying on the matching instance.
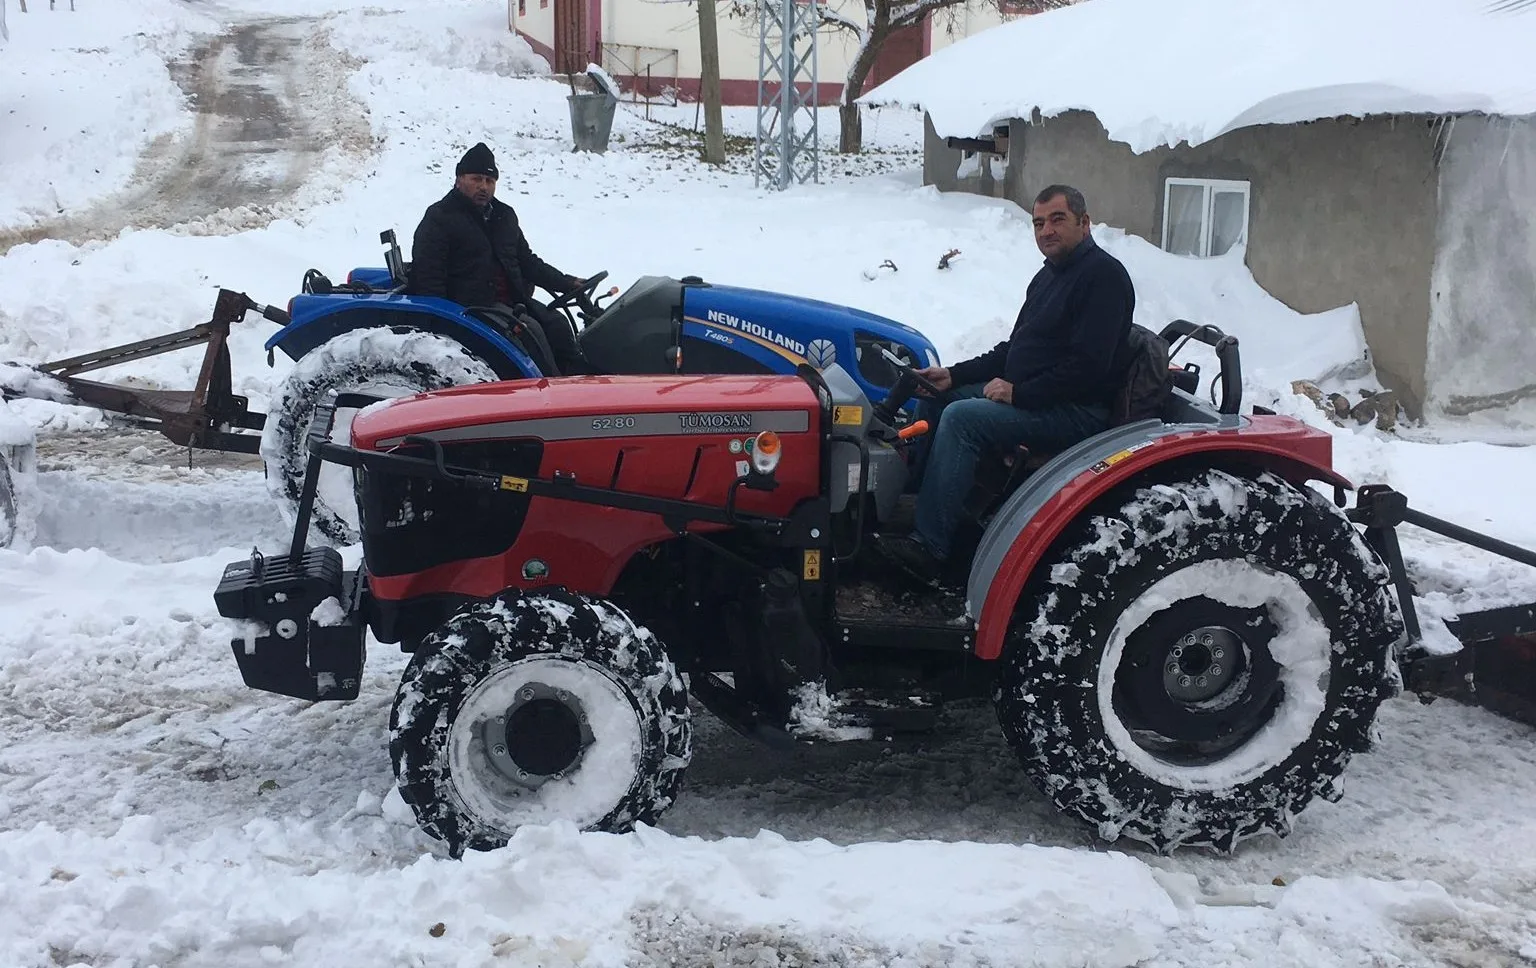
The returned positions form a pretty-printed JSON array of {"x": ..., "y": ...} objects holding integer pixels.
[
  {"x": 798, "y": 329},
  {"x": 592, "y": 407}
]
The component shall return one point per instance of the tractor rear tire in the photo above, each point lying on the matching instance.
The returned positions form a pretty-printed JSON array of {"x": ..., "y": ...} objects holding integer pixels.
[
  {"x": 1194, "y": 661},
  {"x": 384, "y": 362},
  {"x": 539, "y": 707}
]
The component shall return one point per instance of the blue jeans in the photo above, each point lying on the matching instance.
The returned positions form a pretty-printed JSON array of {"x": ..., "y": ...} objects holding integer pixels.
[
  {"x": 931, "y": 410},
  {"x": 970, "y": 425}
]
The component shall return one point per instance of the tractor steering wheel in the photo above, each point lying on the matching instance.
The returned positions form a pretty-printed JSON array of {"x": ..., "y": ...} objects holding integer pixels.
[
  {"x": 911, "y": 373},
  {"x": 907, "y": 380},
  {"x": 581, "y": 295}
]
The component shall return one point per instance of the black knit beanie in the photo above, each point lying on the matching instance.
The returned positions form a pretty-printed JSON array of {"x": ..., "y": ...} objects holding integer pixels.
[{"x": 477, "y": 161}]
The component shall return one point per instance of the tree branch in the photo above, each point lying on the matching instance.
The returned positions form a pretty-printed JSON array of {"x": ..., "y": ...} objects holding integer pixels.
[
  {"x": 907, "y": 14},
  {"x": 831, "y": 18}
]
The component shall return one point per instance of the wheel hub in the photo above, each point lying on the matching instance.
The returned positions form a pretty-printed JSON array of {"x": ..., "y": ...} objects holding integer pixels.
[
  {"x": 1197, "y": 679},
  {"x": 540, "y": 737},
  {"x": 1202, "y": 663}
]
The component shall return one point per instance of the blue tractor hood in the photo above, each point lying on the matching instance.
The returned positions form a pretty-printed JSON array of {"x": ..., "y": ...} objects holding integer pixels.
[{"x": 781, "y": 331}]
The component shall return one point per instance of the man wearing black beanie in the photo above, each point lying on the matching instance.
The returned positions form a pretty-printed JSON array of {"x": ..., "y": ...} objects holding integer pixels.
[{"x": 469, "y": 248}]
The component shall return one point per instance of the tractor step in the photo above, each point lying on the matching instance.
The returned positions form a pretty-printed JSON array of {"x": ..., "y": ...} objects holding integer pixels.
[{"x": 870, "y": 614}]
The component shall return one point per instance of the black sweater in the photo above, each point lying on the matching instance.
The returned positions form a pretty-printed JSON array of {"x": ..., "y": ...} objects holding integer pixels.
[{"x": 1067, "y": 345}]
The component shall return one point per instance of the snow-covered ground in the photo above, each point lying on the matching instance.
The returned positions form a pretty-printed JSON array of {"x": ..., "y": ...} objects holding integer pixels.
[{"x": 155, "y": 812}]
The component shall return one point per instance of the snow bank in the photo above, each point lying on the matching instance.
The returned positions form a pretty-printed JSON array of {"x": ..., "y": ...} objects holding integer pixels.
[
  {"x": 557, "y": 898},
  {"x": 1189, "y": 70},
  {"x": 1278, "y": 344},
  {"x": 14, "y": 431},
  {"x": 67, "y": 137},
  {"x": 463, "y": 35}
]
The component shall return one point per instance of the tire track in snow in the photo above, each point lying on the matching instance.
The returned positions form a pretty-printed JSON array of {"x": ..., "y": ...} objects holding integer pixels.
[{"x": 270, "y": 105}]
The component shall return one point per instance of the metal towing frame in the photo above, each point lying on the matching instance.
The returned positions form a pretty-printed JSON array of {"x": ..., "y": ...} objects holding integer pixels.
[{"x": 205, "y": 416}]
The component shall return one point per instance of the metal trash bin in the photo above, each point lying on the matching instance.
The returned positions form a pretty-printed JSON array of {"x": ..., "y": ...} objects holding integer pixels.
[
  {"x": 592, "y": 114},
  {"x": 591, "y": 121}
]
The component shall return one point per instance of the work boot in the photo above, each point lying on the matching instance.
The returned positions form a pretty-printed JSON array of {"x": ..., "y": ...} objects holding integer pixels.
[{"x": 911, "y": 556}]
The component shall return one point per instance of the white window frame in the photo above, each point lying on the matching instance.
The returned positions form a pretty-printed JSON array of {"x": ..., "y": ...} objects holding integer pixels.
[{"x": 1211, "y": 187}]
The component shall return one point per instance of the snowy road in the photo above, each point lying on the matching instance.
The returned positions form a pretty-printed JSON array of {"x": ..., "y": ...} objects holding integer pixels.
[
  {"x": 270, "y": 107},
  {"x": 117, "y": 667}
]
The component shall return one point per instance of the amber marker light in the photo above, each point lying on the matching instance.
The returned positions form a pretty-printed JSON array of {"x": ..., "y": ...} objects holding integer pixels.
[{"x": 766, "y": 449}]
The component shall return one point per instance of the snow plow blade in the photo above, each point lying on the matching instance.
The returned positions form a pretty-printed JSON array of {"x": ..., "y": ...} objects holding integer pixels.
[
  {"x": 1496, "y": 666},
  {"x": 1500, "y": 669}
]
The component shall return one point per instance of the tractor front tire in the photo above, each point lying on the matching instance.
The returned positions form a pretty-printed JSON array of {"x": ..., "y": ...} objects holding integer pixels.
[
  {"x": 1194, "y": 661},
  {"x": 534, "y": 708},
  {"x": 380, "y": 362}
]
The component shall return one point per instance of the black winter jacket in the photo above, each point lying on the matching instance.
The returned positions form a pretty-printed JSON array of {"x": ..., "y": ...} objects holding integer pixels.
[
  {"x": 457, "y": 250},
  {"x": 1069, "y": 342}
]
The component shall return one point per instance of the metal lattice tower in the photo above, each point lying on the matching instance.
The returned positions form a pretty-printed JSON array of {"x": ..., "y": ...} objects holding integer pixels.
[{"x": 788, "y": 148}]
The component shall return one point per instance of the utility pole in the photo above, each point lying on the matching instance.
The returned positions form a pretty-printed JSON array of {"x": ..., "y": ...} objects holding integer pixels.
[
  {"x": 786, "y": 54},
  {"x": 709, "y": 84}
]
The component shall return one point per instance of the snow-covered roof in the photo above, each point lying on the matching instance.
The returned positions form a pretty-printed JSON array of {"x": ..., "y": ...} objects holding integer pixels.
[{"x": 1156, "y": 72}]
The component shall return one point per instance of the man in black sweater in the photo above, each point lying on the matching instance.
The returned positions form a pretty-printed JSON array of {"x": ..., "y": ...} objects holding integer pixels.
[
  {"x": 470, "y": 249},
  {"x": 1048, "y": 386}
]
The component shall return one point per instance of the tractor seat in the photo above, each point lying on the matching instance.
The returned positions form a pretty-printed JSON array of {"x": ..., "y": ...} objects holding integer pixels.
[{"x": 523, "y": 330}]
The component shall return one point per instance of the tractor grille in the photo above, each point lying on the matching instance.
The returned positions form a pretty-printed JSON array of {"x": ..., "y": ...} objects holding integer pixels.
[{"x": 410, "y": 524}]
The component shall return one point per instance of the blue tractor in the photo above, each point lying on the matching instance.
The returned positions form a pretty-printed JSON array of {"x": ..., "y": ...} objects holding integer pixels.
[{"x": 366, "y": 340}]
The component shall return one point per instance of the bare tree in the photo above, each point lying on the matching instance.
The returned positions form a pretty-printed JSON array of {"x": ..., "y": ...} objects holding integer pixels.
[
  {"x": 709, "y": 84},
  {"x": 882, "y": 19}
]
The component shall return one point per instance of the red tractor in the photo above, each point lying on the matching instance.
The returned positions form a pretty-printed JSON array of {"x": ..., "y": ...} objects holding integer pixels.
[{"x": 1185, "y": 640}]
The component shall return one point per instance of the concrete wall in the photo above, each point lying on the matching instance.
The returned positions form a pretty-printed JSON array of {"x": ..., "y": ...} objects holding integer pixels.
[
  {"x": 950, "y": 170},
  {"x": 1482, "y": 342},
  {"x": 1340, "y": 211}
]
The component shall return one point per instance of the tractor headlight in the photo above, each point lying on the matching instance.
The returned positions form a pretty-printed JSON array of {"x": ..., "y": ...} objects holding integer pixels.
[{"x": 765, "y": 452}]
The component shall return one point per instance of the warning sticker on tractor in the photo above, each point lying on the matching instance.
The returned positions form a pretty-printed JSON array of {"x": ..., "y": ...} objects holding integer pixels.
[
  {"x": 1118, "y": 456},
  {"x": 848, "y": 416},
  {"x": 514, "y": 483},
  {"x": 812, "y": 569}
]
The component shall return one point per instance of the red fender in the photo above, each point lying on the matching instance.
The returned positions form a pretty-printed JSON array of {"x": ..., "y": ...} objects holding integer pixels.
[{"x": 1286, "y": 446}]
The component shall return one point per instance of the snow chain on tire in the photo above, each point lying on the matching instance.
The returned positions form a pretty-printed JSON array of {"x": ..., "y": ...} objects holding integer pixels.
[
  {"x": 1050, "y": 695},
  {"x": 396, "y": 356},
  {"x": 486, "y": 639}
]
